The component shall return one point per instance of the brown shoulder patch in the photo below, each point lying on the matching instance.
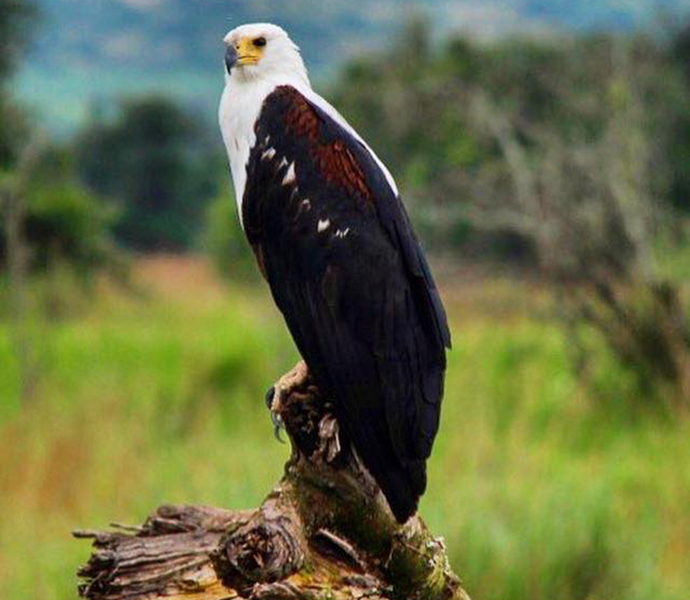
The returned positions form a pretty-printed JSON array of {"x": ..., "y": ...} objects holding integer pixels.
[
  {"x": 335, "y": 161},
  {"x": 340, "y": 167},
  {"x": 300, "y": 119}
]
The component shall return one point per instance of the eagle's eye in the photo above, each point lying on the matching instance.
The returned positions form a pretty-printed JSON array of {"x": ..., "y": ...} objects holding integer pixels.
[{"x": 260, "y": 41}]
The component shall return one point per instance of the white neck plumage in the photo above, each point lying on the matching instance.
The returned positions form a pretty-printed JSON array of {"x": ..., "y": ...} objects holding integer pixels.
[{"x": 243, "y": 96}]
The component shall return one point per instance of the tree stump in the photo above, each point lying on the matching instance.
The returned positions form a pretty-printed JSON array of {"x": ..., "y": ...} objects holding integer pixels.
[{"x": 325, "y": 532}]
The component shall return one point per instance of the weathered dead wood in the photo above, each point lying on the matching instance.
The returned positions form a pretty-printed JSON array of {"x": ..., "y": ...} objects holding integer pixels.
[{"x": 325, "y": 532}]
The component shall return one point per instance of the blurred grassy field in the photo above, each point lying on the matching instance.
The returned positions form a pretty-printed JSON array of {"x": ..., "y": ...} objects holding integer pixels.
[{"x": 542, "y": 488}]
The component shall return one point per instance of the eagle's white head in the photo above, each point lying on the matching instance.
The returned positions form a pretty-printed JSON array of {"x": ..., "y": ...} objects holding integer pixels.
[{"x": 263, "y": 52}]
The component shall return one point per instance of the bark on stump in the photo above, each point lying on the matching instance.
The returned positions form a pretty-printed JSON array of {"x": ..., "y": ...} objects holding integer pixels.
[{"x": 325, "y": 532}]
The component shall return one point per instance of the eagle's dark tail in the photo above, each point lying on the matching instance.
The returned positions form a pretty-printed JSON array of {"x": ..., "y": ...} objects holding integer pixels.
[{"x": 401, "y": 484}]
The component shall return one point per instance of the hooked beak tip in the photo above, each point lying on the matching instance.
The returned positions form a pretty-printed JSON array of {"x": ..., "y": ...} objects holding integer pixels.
[{"x": 230, "y": 58}]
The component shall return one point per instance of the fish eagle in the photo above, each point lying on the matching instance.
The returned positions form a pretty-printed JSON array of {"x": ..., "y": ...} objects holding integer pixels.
[{"x": 331, "y": 236}]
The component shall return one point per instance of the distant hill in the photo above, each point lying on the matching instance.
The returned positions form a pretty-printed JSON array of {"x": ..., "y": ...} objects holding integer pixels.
[{"x": 94, "y": 50}]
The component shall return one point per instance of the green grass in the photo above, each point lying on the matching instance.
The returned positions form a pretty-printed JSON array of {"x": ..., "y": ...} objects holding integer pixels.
[{"x": 541, "y": 489}]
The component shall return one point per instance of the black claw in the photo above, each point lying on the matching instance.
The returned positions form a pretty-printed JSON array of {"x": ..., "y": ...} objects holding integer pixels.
[
  {"x": 269, "y": 396},
  {"x": 277, "y": 426},
  {"x": 275, "y": 417}
]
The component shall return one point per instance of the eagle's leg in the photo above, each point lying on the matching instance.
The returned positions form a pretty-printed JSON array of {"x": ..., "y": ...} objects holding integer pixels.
[{"x": 293, "y": 379}]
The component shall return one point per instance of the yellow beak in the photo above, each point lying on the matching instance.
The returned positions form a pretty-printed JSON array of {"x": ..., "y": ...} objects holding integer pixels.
[{"x": 247, "y": 52}]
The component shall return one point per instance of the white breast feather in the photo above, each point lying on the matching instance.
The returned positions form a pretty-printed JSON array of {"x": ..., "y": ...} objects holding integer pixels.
[{"x": 238, "y": 112}]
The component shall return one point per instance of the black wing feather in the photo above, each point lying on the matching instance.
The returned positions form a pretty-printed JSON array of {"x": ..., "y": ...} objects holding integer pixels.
[{"x": 357, "y": 295}]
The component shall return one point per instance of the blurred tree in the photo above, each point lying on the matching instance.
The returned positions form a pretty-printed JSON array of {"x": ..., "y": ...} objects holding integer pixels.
[
  {"x": 50, "y": 225},
  {"x": 58, "y": 220},
  {"x": 17, "y": 20},
  {"x": 14, "y": 247},
  {"x": 154, "y": 161},
  {"x": 680, "y": 48},
  {"x": 588, "y": 191},
  {"x": 679, "y": 151},
  {"x": 65, "y": 222}
]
